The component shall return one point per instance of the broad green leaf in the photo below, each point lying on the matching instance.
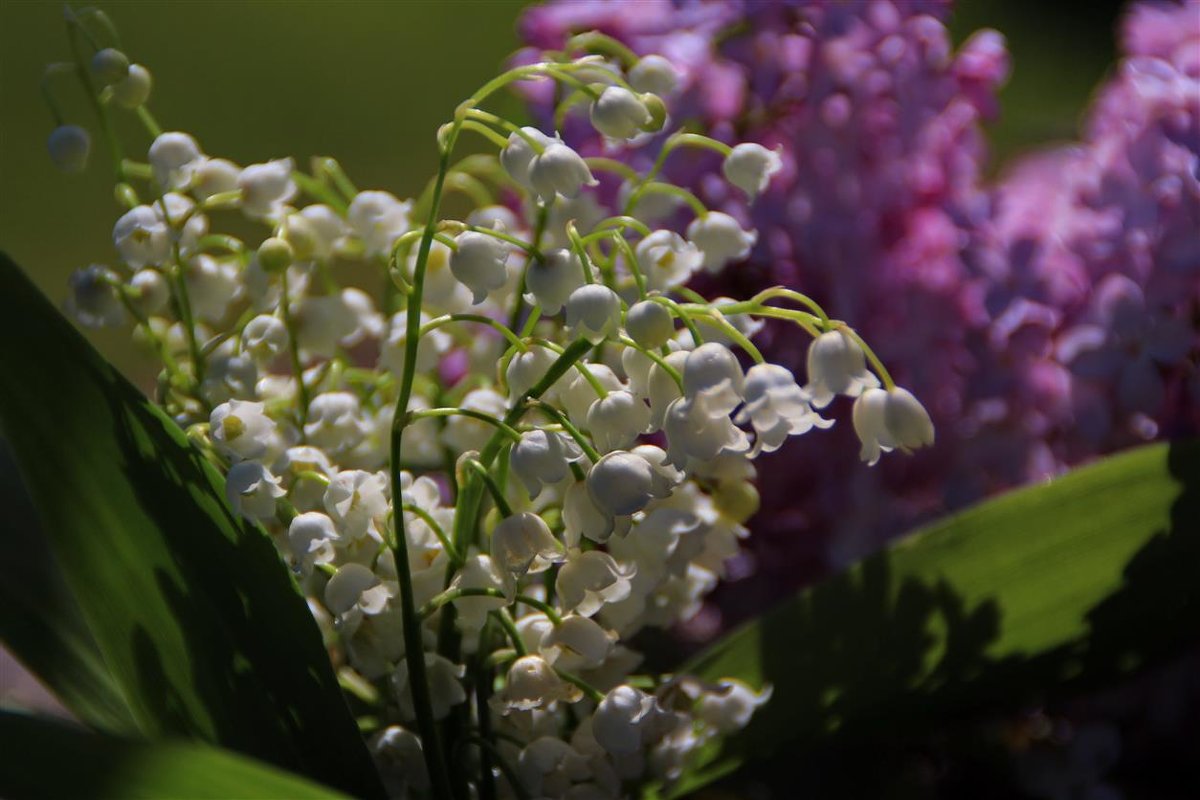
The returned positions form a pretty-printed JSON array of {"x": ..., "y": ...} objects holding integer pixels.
[
  {"x": 40, "y": 622},
  {"x": 52, "y": 760},
  {"x": 1048, "y": 588},
  {"x": 198, "y": 620}
]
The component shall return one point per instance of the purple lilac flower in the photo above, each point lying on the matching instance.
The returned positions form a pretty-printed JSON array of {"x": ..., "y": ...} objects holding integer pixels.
[{"x": 1043, "y": 321}]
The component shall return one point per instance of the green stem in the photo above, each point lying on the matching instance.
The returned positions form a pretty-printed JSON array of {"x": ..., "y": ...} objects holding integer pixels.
[
  {"x": 884, "y": 375},
  {"x": 493, "y": 488},
  {"x": 437, "y": 529},
  {"x": 589, "y": 450},
  {"x": 499, "y": 327},
  {"x": 508, "y": 430},
  {"x": 289, "y": 324}
]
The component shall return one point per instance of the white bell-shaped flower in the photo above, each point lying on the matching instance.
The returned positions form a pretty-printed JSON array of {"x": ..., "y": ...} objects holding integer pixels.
[
  {"x": 517, "y": 156},
  {"x": 213, "y": 285},
  {"x": 907, "y": 420},
  {"x": 837, "y": 365},
  {"x": 655, "y": 74},
  {"x": 527, "y": 368},
  {"x": 267, "y": 187},
  {"x": 750, "y": 167},
  {"x": 549, "y": 767},
  {"x": 357, "y": 501},
  {"x": 69, "y": 147},
  {"x": 552, "y": 278},
  {"x": 335, "y": 421},
  {"x": 252, "y": 490},
  {"x": 240, "y": 430},
  {"x": 324, "y": 228},
  {"x": 307, "y": 492},
  {"x": 577, "y": 393},
  {"x": 479, "y": 263},
  {"x": 532, "y": 683},
  {"x": 590, "y": 579},
  {"x": 478, "y": 572},
  {"x": 229, "y": 377},
  {"x": 444, "y": 685},
  {"x": 777, "y": 407},
  {"x": 621, "y": 719},
  {"x": 667, "y": 260},
  {"x": 264, "y": 337},
  {"x": 93, "y": 300},
  {"x": 311, "y": 537},
  {"x": 661, "y": 388},
  {"x": 523, "y": 544},
  {"x": 354, "y": 585},
  {"x": 697, "y": 431},
  {"x": 379, "y": 219},
  {"x": 871, "y": 426},
  {"x": 401, "y": 758},
  {"x": 593, "y": 312},
  {"x": 150, "y": 291},
  {"x": 622, "y": 483},
  {"x": 559, "y": 170},
  {"x": 541, "y": 458},
  {"x": 323, "y": 322},
  {"x": 142, "y": 238},
  {"x": 214, "y": 176},
  {"x": 533, "y": 628},
  {"x": 729, "y": 706},
  {"x": 578, "y": 643},
  {"x": 649, "y": 324},
  {"x": 619, "y": 113},
  {"x": 721, "y": 239},
  {"x": 583, "y": 519},
  {"x": 616, "y": 420},
  {"x": 134, "y": 89},
  {"x": 713, "y": 370},
  {"x": 173, "y": 157}
]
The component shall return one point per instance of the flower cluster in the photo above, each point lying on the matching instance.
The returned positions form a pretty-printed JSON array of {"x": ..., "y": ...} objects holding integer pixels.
[
  {"x": 1046, "y": 319},
  {"x": 530, "y": 442}
]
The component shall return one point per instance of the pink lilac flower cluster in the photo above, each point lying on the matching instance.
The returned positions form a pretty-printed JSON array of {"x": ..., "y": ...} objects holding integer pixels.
[{"x": 1043, "y": 320}]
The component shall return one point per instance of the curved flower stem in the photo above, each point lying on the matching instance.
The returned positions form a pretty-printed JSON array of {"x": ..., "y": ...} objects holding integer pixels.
[
  {"x": 593, "y": 694},
  {"x": 588, "y": 448},
  {"x": 623, "y": 222},
  {"x": 493, "y": 488},
  {"x": 596, "y": 42},
  {"x": 437, "y": 529},
  {"x": 474, "y": 189},
  {"x": 499, "y": 327},
  {"x": 884, "y": 375},
  {"x": 809, "y": 322},
  {"x": 495, "y": 422},
  {"x": 683, "y": 315},
  {"x": 791, "y": 294},
  {"x": 485, "y": 131},
  {"x": 655, "y": 357},
  {"x": 587, "y": 374},
  {"x": 612, "y": 165},
  {"x": 450, "y": 595},
  {"x": 510, "y": 628},
  {"x": 657, "y": 187},
  {"x": 500, "y": 122},
  {"x": 717, "y": 320},
  {"x": 515, "y": 241},
  {"x": 589, "y": 275},
  {"x": 625, "y": 247},
  {"x": 75, "y": 29}
]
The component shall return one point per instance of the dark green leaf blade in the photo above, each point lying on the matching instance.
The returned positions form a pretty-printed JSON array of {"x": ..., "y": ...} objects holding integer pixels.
[
  {"x": 58, "y": 760},
  {"x": 197, "y": 618},
  {"x": 1047, "y": 588}
]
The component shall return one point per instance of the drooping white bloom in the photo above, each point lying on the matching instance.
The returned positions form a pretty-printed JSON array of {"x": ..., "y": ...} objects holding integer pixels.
[
  {"x": 549, "y": 767},
  {"x": 542, "y": 457},
  {"x": 368, "y": 323},
  {"x": 398, "y": 752},
  {"x": 559, "y": 170},
  {"x": 444, "y": 686},
  {"x": 524, "y": 544},
  {"x": 620, "y": 719},
  {"x": 252, "y": 490},
  {"x": 617, "y": 419},
  {"x": 532, "y": 683},
  {"x": 93, "y": 300},
  {"x": 142, "y": 238},
  {"x": 750, "y": 167},
  {"x": 214, "y": 176},
  {"x": 729, "y": 707},
  {"x": 322, "y": 322},
  {"x": 517, "y": 156},
  {"x": 622, "y": 483},
  {"x": 745, "y": 324},
  {"x": 667, "y": 260},
  {"x": 478, "y": 572},
  {"x": 240, "y": 430},
  {"x": 335, "y": 421},
  {"x": 885, "y": 420},
  {"x": 721, "y": 239},
  {"x": 697, "y": 431},
  {"x": 619, "y": 113},
  {"x": 655, "y": 74},
  {"x": 357, "y": 501},
  {"x": 267, "y": 187},
  {"x": 311, "y": 536},
  {"x": 593, "y": 312},
  {"x": 464, "y": 433},
  {"x": 713, "y": 370},
  {"x": 69, "y": 146},
  {"x": 150, "y": 291},
  {"x": 306, "y": 492},
  {"x": 578, "y": 643},
  {"x": 479, "y": 263},
  {"x": 264, "y": 337},
  {"x": 649, "y": 324},
  {"x": 583, "y": 519},
  {"x": 212, "y": 286},
  {"x": 354, "y": 585},
  {"x": 526, "y": 369},
  {"x": 379, "y": 219},
  {"x": 590, "y": 579},
  {"x": 431, "y": 347},
  {"x": 174, "y": 156},
  {"x": 134, "y": 89},
  {"x": 229, "y": 376},
  {"x": 776, "y": 407},
  {"x": 551, "y": 279},
  {"x": 836, "y": 365},
  {"x": 661, "y": 388},
  {"x": 576, "y": 393},
  {"x": 325, "y": 226}
]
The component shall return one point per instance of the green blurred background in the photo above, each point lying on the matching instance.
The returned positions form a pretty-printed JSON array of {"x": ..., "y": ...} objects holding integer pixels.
[{"x": 369, "y": 82}]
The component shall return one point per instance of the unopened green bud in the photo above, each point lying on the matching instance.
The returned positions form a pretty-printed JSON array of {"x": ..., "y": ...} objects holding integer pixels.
[
  {"x": 275, "y": 254},
  {"x": 737, "y": 500},
  {"x": 658, "y": 112}
]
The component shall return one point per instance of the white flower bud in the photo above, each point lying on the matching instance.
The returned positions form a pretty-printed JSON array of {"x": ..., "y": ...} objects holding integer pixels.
[
  {"x": 713, "y": 370},
  {"x": 357, "y": 501},
  {"x": 267, "y": 187},
  {"x": 907, "y": 420},
  {"x": 174, "y": 156},
  {"x": 655, "y": 74},
  {"x": 649, "y": 324},
  {"x": 251, "y": 490},
  {"x": 379, "y": 219},
  {"x": 593, "y": 312},
  {"x": 590, "y": 579},
  {"x": 721, "y": 239},
  {"x": 622, "y": 483},
  {"x": 532, "y": 683},
  {"x": 109, "y": 65},
  {"x": 141, "y": 238},
  {"x": 620, "y": 719},
  {"x": 541, "y": 458},
  {"x": 777, "y": 407},
  {"x": 696, "y": 431},
  {"x": 577, "y": 393},
  {"x": 69, "y": 146},
  {"x": 750, "y": 167},
  {"x": 264, "y": 337},
  {"x": 616, "y": 420},
  {"x": 837, "y": 365},
  {"x": 478, "y": 572},
  {"x": 524, "y": 544},
  {"x": 214, "y": 176},
  {"x": 479, "y": 263},
  {"x": 517, "y": 156},
  {"x": 134, "y": 89},
  {"x": 93, "y": 300},
  {"x": 526, "y": 369},
  {"x": 551, "y": 279},
  {"x": 559, "y": 170},
  {"x": 150, "y": 291},
  {"x": 444, "y": 686},
  {"x": 619, "y": 113},
  {"x": 399, "y": 752},
  {"x": 325, "y": 227},
  {"x": 335, "y": 421},
  {"x": 311, "y": 536},
  {"x": 578, "y": 643},
  {"x": 730, "y": 706},
  {"x": 240, "y": 430}
]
